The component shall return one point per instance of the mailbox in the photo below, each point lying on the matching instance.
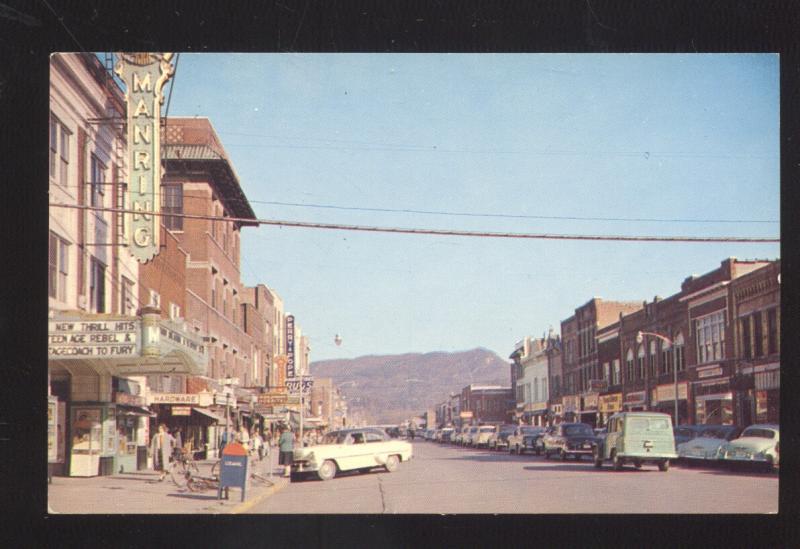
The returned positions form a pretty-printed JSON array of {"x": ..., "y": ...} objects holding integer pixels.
[{"x": 233, "y": 469}]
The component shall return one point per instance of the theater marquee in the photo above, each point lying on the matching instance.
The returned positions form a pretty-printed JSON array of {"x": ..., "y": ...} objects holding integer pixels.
[{"x": 144, "y": 75}]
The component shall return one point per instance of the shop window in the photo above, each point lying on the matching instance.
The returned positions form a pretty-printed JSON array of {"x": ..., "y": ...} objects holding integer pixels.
[
  {"x": 58, "y": 268},
  {"x": 666, "y": 357},
  {"x": 97, "y": 286},
  {"x": 172, "y": 203}
]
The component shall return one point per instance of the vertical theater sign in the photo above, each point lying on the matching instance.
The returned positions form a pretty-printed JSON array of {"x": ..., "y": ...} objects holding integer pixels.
[{"x": 144, "y": 75}]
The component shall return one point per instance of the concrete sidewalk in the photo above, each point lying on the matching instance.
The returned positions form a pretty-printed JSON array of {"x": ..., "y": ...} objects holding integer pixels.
[{"x": 140, "y": 492}]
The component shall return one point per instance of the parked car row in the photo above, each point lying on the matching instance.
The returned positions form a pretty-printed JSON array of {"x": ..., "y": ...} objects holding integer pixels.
[{"x": 635, "y": 438}]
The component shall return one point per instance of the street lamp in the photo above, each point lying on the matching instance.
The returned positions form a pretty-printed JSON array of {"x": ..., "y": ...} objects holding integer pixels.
[{"x": 639, "y": 338}]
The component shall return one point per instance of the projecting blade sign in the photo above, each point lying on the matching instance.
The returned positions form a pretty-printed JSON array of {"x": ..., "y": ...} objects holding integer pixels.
[
  {"x": 144, "y": 75},
  {"x": 296, "y": 384}
]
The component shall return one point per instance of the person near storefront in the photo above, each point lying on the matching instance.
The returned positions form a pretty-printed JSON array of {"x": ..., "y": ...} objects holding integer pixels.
[
  {"x": 257, "y": 445},
  {"x": 161, "y": 448},
  {"x": 244, "y": 436},
  {"x": 286, "y": 444}
]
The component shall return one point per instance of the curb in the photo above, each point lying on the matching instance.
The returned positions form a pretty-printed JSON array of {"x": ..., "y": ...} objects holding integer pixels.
[{"x": 247, "y": 505}]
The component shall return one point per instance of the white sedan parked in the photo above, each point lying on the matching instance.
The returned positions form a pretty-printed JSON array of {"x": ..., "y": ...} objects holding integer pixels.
[{"x": 350, "y": 450}]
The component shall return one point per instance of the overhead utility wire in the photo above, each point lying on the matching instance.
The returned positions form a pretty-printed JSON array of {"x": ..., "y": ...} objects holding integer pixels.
[{"x": 434, "y": 232}]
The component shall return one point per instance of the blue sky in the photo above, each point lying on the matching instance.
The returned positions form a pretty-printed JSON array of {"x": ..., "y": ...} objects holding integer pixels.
[{"x": 679, "y": 137}]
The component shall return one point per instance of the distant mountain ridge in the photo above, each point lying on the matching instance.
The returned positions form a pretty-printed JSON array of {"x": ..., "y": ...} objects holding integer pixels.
[{"x": 390, "y": 388}]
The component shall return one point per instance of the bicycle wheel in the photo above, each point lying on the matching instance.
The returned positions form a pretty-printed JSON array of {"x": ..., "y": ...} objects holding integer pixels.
[
  {"x": 196, "y": 484},
  {"x": 179, "y": 474}
]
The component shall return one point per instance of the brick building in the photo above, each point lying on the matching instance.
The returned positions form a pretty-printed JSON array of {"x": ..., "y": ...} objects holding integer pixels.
[{"x": 487, "y": 403}]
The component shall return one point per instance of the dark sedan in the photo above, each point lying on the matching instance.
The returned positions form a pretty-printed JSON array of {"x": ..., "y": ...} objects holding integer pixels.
[{"x": 569, "y": 439}]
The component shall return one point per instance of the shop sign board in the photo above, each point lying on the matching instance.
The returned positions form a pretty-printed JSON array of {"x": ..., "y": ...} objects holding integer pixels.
[
  {"x": 290, "y": 347},
  {"x": 128, "y": 399},
  {"x": 465, "y": 415},
  {"x": 175, "y": 398},
  {"x": 572, "y": 403},
  {"x": 713, "y": 371},
  {"x": 598, "y": 385},
  {"x": 78, "y": 339},
  {"x": 181, "y": 410},
  {"x": 180, "y": 340},
  {"x": 272, "y": 399},
  {"x": 636, "y": 397},
  {"x": 537, "y": 406},
  {"x": 608, "y": 404},
  {"x": 145, "y": 75},
  {"x": 667, "y": 392},
  {"x": 297, "y": 384},
  {"x": 590, "y": 401}
]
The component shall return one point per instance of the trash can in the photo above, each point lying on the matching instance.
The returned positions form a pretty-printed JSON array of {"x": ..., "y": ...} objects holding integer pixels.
[{"x": 141, "y": 458}]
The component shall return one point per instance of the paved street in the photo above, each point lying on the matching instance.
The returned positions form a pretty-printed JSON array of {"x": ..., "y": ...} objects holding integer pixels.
[{"x": 448, "y": 479}]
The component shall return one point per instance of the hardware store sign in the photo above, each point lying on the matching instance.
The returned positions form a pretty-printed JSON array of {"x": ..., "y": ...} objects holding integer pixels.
[{"x": 103, "y": 339}]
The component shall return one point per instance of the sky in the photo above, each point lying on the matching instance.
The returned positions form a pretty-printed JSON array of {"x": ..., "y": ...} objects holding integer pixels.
[{"x": 656, "y": 144}]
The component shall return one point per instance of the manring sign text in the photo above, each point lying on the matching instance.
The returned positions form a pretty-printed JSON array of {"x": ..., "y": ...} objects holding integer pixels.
[{"x": 144, "y": 75}]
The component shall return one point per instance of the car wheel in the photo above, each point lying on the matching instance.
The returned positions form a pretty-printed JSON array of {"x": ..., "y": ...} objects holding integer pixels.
[
  {"x": 598, "y": 461},
  {"x": 663, "y": 465},
  {"x": 616, "y": 461},
  {"x": 562, "y": 454},
  {"x": 327, "y": 470},
  {"x": 637, "y": 464},
  {"x": 392, "y": 463}
]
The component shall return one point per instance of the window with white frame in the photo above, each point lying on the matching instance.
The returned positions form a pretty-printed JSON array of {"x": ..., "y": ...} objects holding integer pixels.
[
  {"x": 607, "y": 372},
  {"x": 666, "y": 357},
  {"x": 174, "y": 311},
  {"x": 679, "y": 352},
  {"x": 710, "y": 332},
  {"x": 615, "y": 375},
  {"x": 97, "y": 181},
  {"x": 535, "y": 389},
  {"x": 97, "y": 286},
  {"x": 629, "y": 365},
  {"x": 60, "y": 137},
  {"x": 58, "y": 267}
]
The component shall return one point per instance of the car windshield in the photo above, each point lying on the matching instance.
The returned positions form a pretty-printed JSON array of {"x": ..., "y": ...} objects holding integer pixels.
[
  {"x": 487, "y": 429},
  {"x": 648, "y": 424},
  {"x": 758, "y": 432},
  {"x": 571, "y": 430}
]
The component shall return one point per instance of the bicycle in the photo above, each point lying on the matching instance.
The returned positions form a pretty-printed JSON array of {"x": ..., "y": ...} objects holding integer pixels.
[{"x": 182, "y": 467}]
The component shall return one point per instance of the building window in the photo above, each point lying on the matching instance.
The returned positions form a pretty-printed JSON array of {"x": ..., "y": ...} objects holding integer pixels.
[
  {"x": 126, "y": 297},
  {"x": 652, "y": 360},
  {"x": 59, "y": 151},
  {"x": 172, "y": 203},
  {"x": 629, "y": 366},
  {"x": 679, "y": 355},
  {"x": 174, "y": 311},
  {"x": 640, "y": 362},
  {"x": 97, "y": 286},
  {"x": 616, "y": 373},
  {"x": 535, "y": 390},
  {"x": 97, "y": 181},
  {"x": 214, "y": 294},
  {"x": 772, "y": 331},
  {"x": 666, "y": 357},
  {"x": 758, "y": 334},
  {"x": 747, "y": 349},
  {"x": 710, "y": 337},
  {"x": 58, "y": 268}
]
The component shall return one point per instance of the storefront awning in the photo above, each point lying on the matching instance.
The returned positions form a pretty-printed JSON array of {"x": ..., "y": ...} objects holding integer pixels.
[
  {"x": 125, "y": 410},
  {"x": 211, "y": 415}
]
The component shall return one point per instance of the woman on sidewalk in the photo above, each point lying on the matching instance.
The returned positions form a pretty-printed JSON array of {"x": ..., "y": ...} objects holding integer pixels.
[
  {"x": 286, "y": 443},
  {"x": 161, "y": 449}
]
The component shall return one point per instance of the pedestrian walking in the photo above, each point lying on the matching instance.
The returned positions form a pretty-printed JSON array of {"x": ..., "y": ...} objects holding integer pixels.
[
  {"x": 161, "y": 449},
  {"x": 257, "y": 445},
  {"x": 244, "y": 436},
  {"x": 286, "y": 444}
]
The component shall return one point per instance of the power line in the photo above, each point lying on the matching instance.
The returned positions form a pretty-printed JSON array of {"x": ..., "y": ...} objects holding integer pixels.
[
  {"x": 436, "y": 232},
  {"x": 187, "y": 195}
]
